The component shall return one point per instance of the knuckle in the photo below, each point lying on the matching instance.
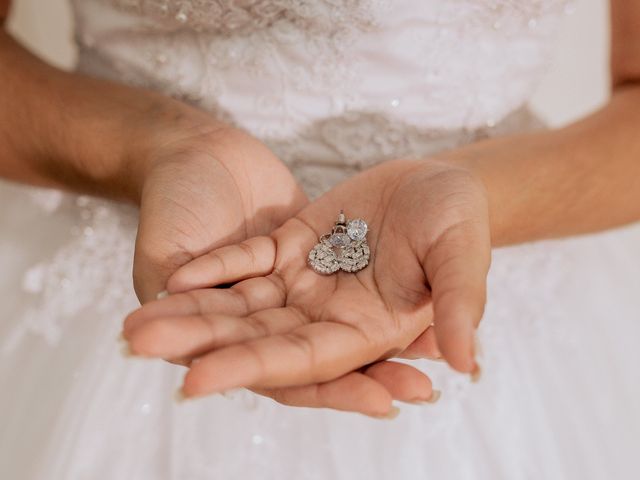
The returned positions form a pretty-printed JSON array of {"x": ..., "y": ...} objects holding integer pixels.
[
  {"x": 280, "y": 287},
  {"x": 209, "y": 323},
  {"x": 247, "y": 249},
  {"x": 218, "y": 261},
  {"x": 282, "y": 396},
  {"x": 305, "y": 347},
  {"x": 195, "y": 301},
  {"x": 258, "y": 325},
  {"x": 261, "y": 370}
]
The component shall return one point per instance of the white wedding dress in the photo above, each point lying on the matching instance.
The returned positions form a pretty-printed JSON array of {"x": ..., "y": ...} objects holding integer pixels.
[{"x": 333, "y": 86}]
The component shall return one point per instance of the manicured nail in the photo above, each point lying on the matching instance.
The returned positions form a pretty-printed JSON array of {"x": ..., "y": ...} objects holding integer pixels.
[
  {"x": 125, "y": 349},
  {"x": 179, "y": 396},
  {"x": 476, "y": 373},
  {"x": 477, "y": 346},
  {"x": 435, "y": 396},
  {"x": 162, "y": 294},
  {"x": 231, "y": 393},
  {"x": 390, "y": 415}
]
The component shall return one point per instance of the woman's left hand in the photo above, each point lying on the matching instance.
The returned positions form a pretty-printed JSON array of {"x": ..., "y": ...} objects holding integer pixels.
[{"x": 301, "y": 337}]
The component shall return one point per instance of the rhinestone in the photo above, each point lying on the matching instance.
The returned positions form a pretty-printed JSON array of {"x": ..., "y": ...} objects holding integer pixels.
[
  {"x": 357, "y": 229},
  {"x": 339, "y": 240}
]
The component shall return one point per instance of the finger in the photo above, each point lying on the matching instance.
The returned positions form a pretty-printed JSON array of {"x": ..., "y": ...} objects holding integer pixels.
[
  {"x": 250, "y": 258},
  {"x": 404, "y": 382},
  {"x": 149, "y": 275},
  {"x": 183, "y": 362},
  {"x": 242, "y": 299},
  {"x": 313, "y": 353},
  {"x": 353, "y": 392},
  {"x": 425, "y": 346},
  {"x": 189, "y": 336},
  {"x": 369, "y": 392},
  {"x": 196, "y": 302},
  {"x": 456, "y": 267}
]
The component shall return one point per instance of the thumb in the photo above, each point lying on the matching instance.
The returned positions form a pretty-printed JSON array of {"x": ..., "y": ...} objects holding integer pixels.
[
  {"x": 153, "y": 265},
  {"x": 456, "y": 267}
]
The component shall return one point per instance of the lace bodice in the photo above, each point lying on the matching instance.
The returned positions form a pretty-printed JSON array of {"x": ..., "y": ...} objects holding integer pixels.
[{"x": 277, "y": 66}]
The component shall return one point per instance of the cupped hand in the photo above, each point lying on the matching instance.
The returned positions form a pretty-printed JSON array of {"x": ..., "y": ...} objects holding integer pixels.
[
  {"x": 207, "y": 185},
  {"x": 293, "y": 334}
]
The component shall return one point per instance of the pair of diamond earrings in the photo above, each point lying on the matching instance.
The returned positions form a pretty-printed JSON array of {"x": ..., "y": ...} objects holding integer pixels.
[{"x": 345, "y": 248}]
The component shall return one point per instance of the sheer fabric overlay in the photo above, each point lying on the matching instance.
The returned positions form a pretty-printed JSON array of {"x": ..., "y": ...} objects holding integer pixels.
[{"x": 333, "y": 87}]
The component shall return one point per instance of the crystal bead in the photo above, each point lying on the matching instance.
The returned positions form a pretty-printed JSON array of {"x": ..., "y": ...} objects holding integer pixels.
[
  {"x": 357, "y": 229},
  {"x": 339, "y": 240}
]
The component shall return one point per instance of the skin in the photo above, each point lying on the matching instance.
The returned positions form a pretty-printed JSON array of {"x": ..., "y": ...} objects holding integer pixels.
[
  {"x": 200, "y": 183},
  {"x": 298, "y": 335},
  {"x": 73, "y": 132},
  {"x": 300, "y": 327}
]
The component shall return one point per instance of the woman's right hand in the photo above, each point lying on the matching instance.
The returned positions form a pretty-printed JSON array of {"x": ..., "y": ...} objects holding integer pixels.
[
  {"x": 199, "y": 182},
  {"x": 206, "y": 185}
]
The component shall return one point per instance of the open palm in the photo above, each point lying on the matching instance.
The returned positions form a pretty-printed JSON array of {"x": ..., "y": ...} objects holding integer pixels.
[{"x": 285, "y": 330}]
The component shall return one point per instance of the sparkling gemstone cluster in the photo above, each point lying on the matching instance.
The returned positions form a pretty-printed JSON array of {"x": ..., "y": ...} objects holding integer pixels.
[{"x": 346, "y": 248}]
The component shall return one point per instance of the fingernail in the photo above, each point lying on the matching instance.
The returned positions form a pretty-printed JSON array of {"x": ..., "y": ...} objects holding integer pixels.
[
  {"x": 179, "y": 396},
  {"x": 390, "y": 415},
  {"x": 125, "y": 349},
  {"x": 476, "y": 374},
  {"x": 478, "y": 351},
  {"x": 162, "y": 294},
  {"x": 231, "y": 394},
  {"x": 435, "y": 396}
]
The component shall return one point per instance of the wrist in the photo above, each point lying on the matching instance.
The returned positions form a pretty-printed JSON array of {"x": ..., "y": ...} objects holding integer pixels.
[
  {"x": 130, "y": 132},
  {"x": 79, "y": 133},
  {"x": 167, "y": 132},
  {"x": 484, "y": 168}
]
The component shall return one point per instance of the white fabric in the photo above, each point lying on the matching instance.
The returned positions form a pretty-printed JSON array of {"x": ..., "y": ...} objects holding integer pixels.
[{"x": 332, "y": 86}]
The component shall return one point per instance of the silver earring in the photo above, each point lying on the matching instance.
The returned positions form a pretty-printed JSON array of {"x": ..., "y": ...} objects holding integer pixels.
[{"x": 345, "y": 248}]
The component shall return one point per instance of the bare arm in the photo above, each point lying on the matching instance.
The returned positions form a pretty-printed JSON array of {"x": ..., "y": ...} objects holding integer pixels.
[
  {"x": 4, "y": 10},
  {"x": 578, "y": 179},
  {"x": 70, "y": 131},
  {"x": 199, "y": 182}
]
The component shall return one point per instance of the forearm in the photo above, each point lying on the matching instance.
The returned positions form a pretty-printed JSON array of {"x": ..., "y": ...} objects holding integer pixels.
[
  {"x": 579, "y": 179},
  {"x": 70, "y": 131}
]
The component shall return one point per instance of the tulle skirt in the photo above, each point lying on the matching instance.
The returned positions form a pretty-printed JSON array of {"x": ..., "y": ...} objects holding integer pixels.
[{"x": 558, "y": 398}]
